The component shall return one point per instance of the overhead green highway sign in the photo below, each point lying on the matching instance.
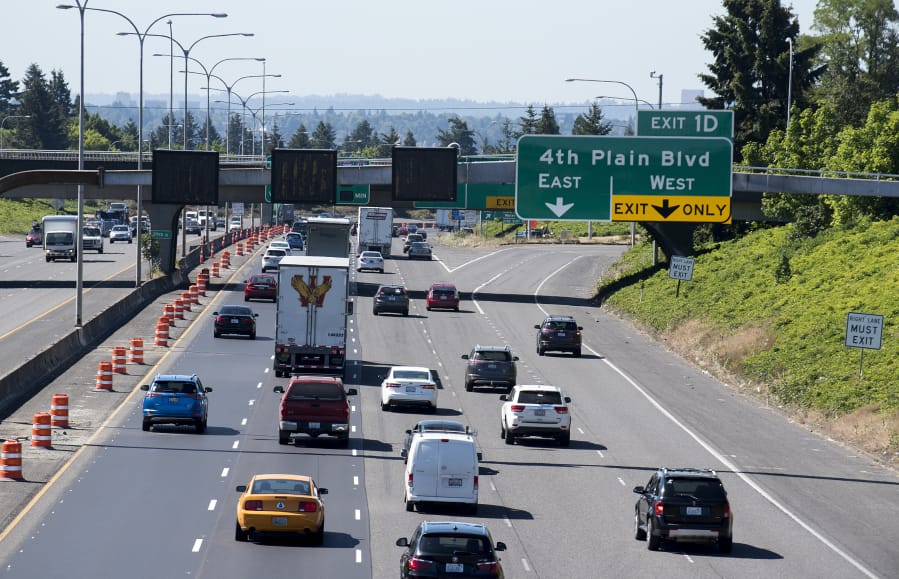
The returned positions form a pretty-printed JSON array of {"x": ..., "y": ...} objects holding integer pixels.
[
  {"x": 671, "y": 123},
  {"x": 600, "y": 178}
]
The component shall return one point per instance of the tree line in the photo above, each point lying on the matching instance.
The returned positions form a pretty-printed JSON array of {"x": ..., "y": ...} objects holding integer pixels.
[{"x": 837, "y": 87}]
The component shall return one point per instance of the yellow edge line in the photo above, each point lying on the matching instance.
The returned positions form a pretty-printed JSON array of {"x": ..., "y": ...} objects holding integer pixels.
[{"x": 65, "y": 467}]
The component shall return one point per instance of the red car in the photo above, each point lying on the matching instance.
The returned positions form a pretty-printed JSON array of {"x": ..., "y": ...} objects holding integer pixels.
[
  {"x": 261, "y": 287},
  {"x": 443, "y": 295},
  {"x": 34, "y": 237}
]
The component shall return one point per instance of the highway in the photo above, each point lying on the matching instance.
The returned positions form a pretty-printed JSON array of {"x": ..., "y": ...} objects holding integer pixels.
[{"x": 161, "y": 503}]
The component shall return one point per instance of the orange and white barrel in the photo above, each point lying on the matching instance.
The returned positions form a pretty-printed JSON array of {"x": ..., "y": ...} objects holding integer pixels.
[
  {"x": 41, "y": 435},
  {"x": 118, "y": 360},
  {"x": 104, "y": 376},
  {"x": 239, "y": 248},
  {"x": 202, "y": 280},
  {"x": 168, "y": 311},
  {"x": 194, "y": 294},
  {"x": 162, "y": 332},
  {"x": 11, "y": 459},
  {"x": 185, "y": 301},
  {"x": 59, "y": 411},
  {"x": 226, "y": 259},
  {"x": 136, "y": 353},
  {"x": 178, "y": 307},
  {"x": 215, "y": 269}
]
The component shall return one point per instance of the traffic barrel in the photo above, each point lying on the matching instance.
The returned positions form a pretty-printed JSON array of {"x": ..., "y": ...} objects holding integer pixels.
[
  {"x": 59, "y": 411},
  {"x": 162, "y": 332},
  {"x": 136, "y": 353},
  {"x": 194, "y": 294},
  {"x": 104, "y": 376},
  {"x": 178, "y": 306},
  {"x": 168, "y": 311},
  {"x": 11, "y": 460},
  {"x": 118, "y": 360},
  {"x": 185, "y": 301},
  {"x": 41, "y": 436},
  {"x": 226, "y": 259},
  {"x": 239, "y": 248},
  {"x": 202, "y": 280},
  {"x": 215, "y": 269}
]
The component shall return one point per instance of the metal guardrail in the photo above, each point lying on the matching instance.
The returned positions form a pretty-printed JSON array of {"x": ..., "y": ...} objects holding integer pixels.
[{"x": 259, "y": 161}]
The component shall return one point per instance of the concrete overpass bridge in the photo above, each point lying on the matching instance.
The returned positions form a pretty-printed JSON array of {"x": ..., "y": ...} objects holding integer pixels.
[{"x": 114, "y": 175}]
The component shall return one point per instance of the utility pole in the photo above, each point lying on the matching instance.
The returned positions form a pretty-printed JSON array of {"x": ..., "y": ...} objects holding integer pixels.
[{"x": 658, "y": 76}]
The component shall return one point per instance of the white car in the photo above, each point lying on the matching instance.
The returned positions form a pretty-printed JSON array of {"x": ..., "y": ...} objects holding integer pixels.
[
  {"x": 280, "y": 245},
  {"x": 535, "y": 410},
  {"x": 92, "y": 239},
  {"x": 370, "y": 260},
  {"x": 409, "y": 386},
  {"x": 272, "y": 258},
  {"x": 120, "y": 233},
  {"x": 236, "y": 223}
]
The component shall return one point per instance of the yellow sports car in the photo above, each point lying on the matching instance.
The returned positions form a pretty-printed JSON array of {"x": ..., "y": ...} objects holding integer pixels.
[{"x": 280, "y": 504}]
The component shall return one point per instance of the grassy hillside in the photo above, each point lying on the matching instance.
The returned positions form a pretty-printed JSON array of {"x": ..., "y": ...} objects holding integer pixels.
[{"x": 768, "y": 313}]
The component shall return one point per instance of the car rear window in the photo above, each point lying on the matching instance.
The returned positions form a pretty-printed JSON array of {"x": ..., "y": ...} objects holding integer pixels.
[
  {"x": 275, "y": 252},
  {"x": 392, "y": 291},
  {"x": 527, "y": 397},
  {"x": 235, "y": 311},
  {"x": 695, "y": 487},
  {"x": 411, "y": 375},
  {"x": 493, "y": 356},
  {"x": 561, "y": 326},
  {"x": 314, "y": 391},
  {"x": 281, "y": 487},
  {"x": 262, "y": 279},
  {"x": 453, "y": 545},
  {"x": 175, "y": 387}
]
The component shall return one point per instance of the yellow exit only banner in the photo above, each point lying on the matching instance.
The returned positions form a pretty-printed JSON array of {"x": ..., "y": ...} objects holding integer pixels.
[{"x": 671, "y": 209}]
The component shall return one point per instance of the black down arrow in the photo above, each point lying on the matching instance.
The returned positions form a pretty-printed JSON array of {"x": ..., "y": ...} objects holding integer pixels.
[{"x": 664, "y": 210}]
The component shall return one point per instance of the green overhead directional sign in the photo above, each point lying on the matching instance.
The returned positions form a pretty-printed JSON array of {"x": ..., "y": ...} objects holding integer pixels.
[
  {"x": 600, "y": 178},
  {"x": 671, "y": 123}
]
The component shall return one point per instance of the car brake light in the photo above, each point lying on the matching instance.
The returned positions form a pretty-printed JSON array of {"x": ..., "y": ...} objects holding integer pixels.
[
  {"x": 475, "y": 481},
  {"x": 153, "y": 395},
  {"x": 219, "y": 320},
  {"x": 252, "y": 506},
  {"x": 517, "y": 408},
  {"x": 393, "y": 385},
  {"x": 561, "y": 409},
  {"x": 487, "y": 566},
  {"x": 658, "y": 508},
  {"x": 416, "y": 564},
  {"x": 726, "y": 510},
  {"x": 308, "y": 506},
  {"x": 428, "y": 387},
  {"x": 409, "y": 481}
]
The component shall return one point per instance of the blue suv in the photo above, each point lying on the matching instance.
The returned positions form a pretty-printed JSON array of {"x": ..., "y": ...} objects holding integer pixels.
[{"x": 176, "y": 399}]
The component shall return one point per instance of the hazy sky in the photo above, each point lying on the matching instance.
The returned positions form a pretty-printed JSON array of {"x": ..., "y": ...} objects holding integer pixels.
[{"x": 487, "y": 50}]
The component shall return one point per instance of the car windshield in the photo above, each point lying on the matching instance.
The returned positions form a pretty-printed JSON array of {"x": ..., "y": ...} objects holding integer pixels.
[
  {"x": 235, "y": 311},
  {"x": 561, "y": 326},
  {"x": 392, "y": 291},
  {"x": 533, "y": 397},
  {"x": 370, "y": 255},
  {"x": 281, "y": 486},
  {"x": 419, "y": 245},
  {"x": 313, "y": 391},
  {"x": 411, "y": 375},
  {"x": 262, "y": 279},
  {"x": 453, "y": 545},
  {"x": 275, "y": 253}
]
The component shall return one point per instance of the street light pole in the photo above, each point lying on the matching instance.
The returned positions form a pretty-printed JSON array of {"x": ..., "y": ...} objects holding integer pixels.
[
  {"x": 4, "y": 120},
  {"x": 790, "y": 83},
  {"x": 636, "y": 100},
  {"x": 658, "y": 76}
]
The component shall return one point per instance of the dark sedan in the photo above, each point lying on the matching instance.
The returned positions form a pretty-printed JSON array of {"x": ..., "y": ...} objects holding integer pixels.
[
  {"x": 391, "y": 298},
  {"x": 261, "y": 287},
  {"x": 235, "y": 320},
  {"x": 193, "y": 227}
]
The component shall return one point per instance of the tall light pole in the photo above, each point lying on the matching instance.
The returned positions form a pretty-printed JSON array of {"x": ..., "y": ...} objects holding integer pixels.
[
  {"x": 4, "y": 120},
  {"x": 262, "y": 127},
  {"x": 186, "y": 52},
  {"x": 658, "y": 76},
  {"x": 228, "y": 89},
  {"x": 636, "y": 100},
  {"x": 645, "y": 102},
  {"x": 790, "y": 83}
]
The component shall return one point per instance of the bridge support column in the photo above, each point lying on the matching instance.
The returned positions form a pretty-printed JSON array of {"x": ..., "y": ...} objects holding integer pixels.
[
  {"x": 673, "y": 238},
  {"x": 165, "y": 218}
]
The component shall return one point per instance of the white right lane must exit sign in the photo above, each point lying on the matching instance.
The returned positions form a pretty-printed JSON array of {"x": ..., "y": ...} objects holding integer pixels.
[{"x": 864, "y": 330}]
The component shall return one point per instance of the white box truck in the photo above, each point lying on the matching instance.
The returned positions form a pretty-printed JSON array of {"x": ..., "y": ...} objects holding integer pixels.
[
  {"x": 311, "y": 315},
  {"x": 60, "y": 241},
  {"x": 328, "y": 237},
  {"x": 375, "y": 229}
]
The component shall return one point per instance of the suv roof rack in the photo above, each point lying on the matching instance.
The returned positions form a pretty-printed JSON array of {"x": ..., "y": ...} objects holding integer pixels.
[{"x": 689, "y": 469}]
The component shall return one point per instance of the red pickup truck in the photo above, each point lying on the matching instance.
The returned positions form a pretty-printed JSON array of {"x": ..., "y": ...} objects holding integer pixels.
[{"x": 314, "y": 405}]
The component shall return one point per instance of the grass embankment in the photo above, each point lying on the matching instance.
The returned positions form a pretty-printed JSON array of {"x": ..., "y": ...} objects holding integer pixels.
[{"x": 768, "y": 314}]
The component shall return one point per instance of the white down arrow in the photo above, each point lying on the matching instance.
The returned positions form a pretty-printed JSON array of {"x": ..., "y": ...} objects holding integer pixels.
[{"x": 559, "y": 207}]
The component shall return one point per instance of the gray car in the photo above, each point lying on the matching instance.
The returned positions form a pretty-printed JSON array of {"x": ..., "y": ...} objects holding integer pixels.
[
  {"x": 419, "y": 250},
  {"x": 391, "y": 298}
]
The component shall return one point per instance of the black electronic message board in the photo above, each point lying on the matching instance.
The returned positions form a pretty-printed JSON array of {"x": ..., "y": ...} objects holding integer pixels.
[
  {"x": 185, "y": 177},
  {"x": 304, "y": 175},
  {"x": 424, "y": 173}
]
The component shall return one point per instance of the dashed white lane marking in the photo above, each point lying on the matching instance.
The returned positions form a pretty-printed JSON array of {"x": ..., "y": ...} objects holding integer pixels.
[
  {"x": 235, "y": 445},
  {"x": 353, "y": 408},
  {"x": 212, "y": 504},
  {"x": 581, "y": 430},
  {"x": 524, "y": 563},
  {"x": 266, "y": 371},
  {"x": 197, "y": 544},
  {"x": 243, "y": 421},
  {"x": 354, "y": 452},
  {"x": 358, "y": 514},
  {"x": 688, "y": 558},
  {"x": 252, "y": 402},
  {"x": 601, "y": 455},
  {"x": 355, "y": 481},
  {"x": 621, "y": 480},
  {"x": 492, "y": 487},
  {"x": 225, "y": 471},
  {"x": 259, "y": 385},
  {"x": 358, "y": 555},
  {"x": 507, "y": 521}
]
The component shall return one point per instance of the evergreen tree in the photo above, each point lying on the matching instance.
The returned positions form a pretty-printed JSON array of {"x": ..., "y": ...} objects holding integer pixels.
[
  {"x": 8, "y": 91},
  {"x": 459, "y": 133},
  {"x": 409, "y": 141},
  {"x": 750, "y": 73},
  {"x": 300, "y": 139},
  {"x": 509, "y": 140},
  {"x": 363, "y": 135},
  {"x": 591, "y": 123},
  {"x": 547, "y": 124},
  {"x": 46, "y": 128},
  {"x": 323, "y": 137},
  {"x": 528, "y": 123},
  {"x": 235, "y": 128}
]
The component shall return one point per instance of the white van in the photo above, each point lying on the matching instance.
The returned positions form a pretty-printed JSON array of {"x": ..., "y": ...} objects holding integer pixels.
[{"x": 442, "y": 468}]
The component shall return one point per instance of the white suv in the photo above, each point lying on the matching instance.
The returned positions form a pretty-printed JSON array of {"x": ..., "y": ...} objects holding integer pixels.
[
  {"x": 272, "y": 259},
  {"x": 535, "y": 410}
]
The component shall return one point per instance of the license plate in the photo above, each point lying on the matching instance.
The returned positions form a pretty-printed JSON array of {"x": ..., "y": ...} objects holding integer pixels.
[
  {"x": 694, "y": 511},
  {"x": 173, "y": 400},
  {"x": 455, "y": 568},
  {"x": 443, "y": 298},
  {"x": 314, "y": 425},
  {"x": 561, "y": 334},
  {"x": 391, "y": 298},
  {"x": 454, "y": 482},
  {"x": 235, "y": 321},
  {"x": 539, "y": 412},
  {"x": 491, "y": 366},
  {"x": 279, "y": 521},
  {"x": 410, "y": 388}
]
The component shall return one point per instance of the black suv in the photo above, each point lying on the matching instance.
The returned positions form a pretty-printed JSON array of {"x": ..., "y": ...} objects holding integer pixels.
[
  {"x": 559, "y": 334},
  {"x": 391, "y": 298},
  {"x": 450, "y": 549},
  {"x": 490, "y": 366},
  {"x": 683, "y": 504}
]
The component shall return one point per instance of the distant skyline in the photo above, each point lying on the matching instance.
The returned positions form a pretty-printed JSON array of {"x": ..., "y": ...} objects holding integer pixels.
[{"x": 487, "y": 52}]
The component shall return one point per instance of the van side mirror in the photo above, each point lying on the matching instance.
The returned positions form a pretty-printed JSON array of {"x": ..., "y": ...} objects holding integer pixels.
[
  {"x": 536, "y": 326},
  {"x": 278, "y": 389},
  {"x": 349, "y": 307},
  {"x": 402, "y": 542},
  {"x": 145, "y": 387},
  {"x": 500, "y": 546},
  {"x": 580, "y": 327},
  {"x": 514, "y": 358},
  {"x": 504, "y": 397},
  {"x": 241, "y": 488},
  {"x": 568, "y": 399},
  {"x": 465, "y": 356},
  {"x": 639, "y": 490},
  {"x": 351, "y": 392}
]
